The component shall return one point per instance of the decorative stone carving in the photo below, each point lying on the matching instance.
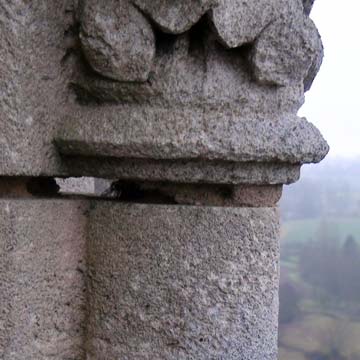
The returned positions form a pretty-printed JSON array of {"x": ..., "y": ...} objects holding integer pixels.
[
  {"x": 288, "y": 52},
  {"x": 136, "y": 71},
  {"x": 174, "y": 16},
  {"x": 118, "y": 42},
  {"x": 238, "y": 22},
  {"x": 203, "y": 100}
]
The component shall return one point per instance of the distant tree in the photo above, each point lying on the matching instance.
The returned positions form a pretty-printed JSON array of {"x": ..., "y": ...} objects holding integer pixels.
[
  {"x": 350, "y": 247},
  {"x": 350, "y": 270},
  {"x": 289, "y": 303},
  {"x": 333, "y": 268}
]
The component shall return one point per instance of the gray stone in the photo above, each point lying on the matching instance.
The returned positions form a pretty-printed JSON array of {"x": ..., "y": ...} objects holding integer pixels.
[
  {"x": 42, "y": 249},
  {"x": 33, "y": 84},
  {"x": 238, "y": 22},
  {"x": 182, "y": 171},
  {"x": 316, "y": 64},
  {"x": 287, "y": 52},
  {"x": 80, "y": 185},
  {"x": 175, "y": 16},
  {"x": 117, "y": 40},
  {"x": 182, "y": 282},
  {"x": 308, "y": 4},
  {"x": 192, "y": 74},
  {"x": 189, "y": 77},
  {"x": 190, "y": 133}
]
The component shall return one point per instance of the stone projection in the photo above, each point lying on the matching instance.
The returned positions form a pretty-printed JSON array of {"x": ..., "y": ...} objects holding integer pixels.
[{"x": 190, "y": 108}]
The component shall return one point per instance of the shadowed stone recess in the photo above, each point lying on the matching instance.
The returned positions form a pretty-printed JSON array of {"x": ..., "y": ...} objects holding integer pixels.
[
  {"x": 42, "y": 248},
  {"x": 182, "y": 282},
  {"x": 195, "y": 194}
]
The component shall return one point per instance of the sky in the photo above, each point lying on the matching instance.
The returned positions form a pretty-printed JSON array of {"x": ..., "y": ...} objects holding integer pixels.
[{"x": 333, "y": 102}]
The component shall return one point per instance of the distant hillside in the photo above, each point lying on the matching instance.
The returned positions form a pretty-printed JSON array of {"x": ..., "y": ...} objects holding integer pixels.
[{"x": 331, "y": 188}]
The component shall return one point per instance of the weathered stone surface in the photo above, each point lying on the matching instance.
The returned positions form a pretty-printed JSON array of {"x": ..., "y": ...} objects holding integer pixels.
[
  {"x": 189, "y": 133},
  {"x": 316, "y": 63},
  {"x": 34, "y": 84},
  {"x": 193, "y": 72},
  {"x": 175, "y": 16},
  {"x": 42, "y": 249},
  {"x": 117, "y": 40},
  {"x": 238, "y": 22},
  {"x": 287, "y": 52},
  {"x": 257, "y": 196},
  {"x": 80, "y": 185},
  {"x": 182, "y": 171},
  {"x": 308, "y": 4},
  {"x": 182, "y": 282}
]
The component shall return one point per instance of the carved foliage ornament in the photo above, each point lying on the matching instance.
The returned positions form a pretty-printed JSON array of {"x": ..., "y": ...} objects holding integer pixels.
[{"x": 119, "y": 42}]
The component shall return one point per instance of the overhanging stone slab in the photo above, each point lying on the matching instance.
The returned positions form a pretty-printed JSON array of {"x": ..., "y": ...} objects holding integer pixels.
[
  {"x": 183, "y": 171},
  {"x": 189, "y": 133},
  {"x": 187, "y": 144}
]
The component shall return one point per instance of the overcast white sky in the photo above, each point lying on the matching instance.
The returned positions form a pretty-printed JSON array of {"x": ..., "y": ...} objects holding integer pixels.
[{"x": 333, "y": 103}]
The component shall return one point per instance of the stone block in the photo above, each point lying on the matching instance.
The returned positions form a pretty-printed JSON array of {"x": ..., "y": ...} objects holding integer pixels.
[
  {"x": 182, "y": 282},
  {"x": 117, "y": 40},
  {"x": 186, "y": 97},
  {"x": 42, "y": 285}
]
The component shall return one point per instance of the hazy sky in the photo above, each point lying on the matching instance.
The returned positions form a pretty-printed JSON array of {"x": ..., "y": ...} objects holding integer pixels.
[{"x": 333, "y": 103}]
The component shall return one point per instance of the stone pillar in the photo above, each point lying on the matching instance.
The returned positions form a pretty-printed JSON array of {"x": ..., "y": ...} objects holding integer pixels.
[
  {"x": 191, "y": 108},
  {"x": 182, "y": 282},
  {"x": 42, "y": 284}
]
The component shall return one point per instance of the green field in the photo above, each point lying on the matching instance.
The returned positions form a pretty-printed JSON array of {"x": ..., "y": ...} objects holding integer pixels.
[{"x": 304, "y": 230}]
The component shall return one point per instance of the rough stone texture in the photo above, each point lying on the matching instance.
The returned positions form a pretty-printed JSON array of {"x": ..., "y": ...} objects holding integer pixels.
[
  {"x": 175, "y": 17},
  {"x": 101, "y": 90},
  {"x": 182, "y": 282},
  {"x": 195, "y": 83},
  {"x": 81, "y": 185},
  {"x": 258, "y": 196},
  {"x": 191, "y": 134},
  {"x": 117, "y": 40},
  {"x": 34, "y": 81},
  {"x": 284, "y": 53},
  {"x": 308, "y": 4},
  {"x": 201, "y": 102},
  {"x": 181, "y": 171},
  {"x": 42, "y": 247},
  {"x": 238, "y": 22}
]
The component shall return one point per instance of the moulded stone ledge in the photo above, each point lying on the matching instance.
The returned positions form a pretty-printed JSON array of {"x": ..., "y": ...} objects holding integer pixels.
[
  {"x": 190, "y": 133},
  {"x": 150, "y": 138},
  {"x": 183, "y": 171}
]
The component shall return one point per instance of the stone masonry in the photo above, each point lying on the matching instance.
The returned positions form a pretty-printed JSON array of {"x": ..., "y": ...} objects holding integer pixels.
[{"x": 189, "y": 108}]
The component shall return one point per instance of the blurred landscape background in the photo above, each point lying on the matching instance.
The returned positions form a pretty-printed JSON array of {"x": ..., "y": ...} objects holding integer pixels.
[{"x": 320, "y": 263}]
